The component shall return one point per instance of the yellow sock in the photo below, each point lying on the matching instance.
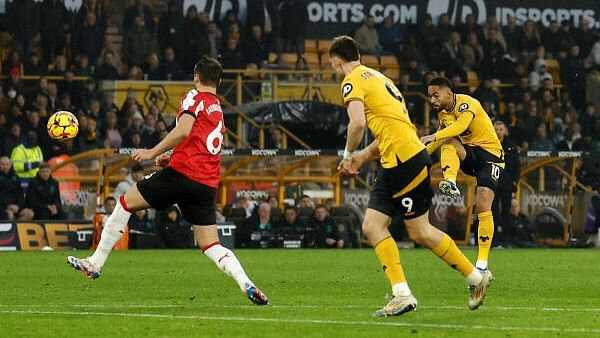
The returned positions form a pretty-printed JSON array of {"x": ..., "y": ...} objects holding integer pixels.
[
  {"x": 449, "y": 162},
  {"x": 451, "y": 254},
  {"x": 485, "y": 234},
  {"x": 389, "y": 256}
]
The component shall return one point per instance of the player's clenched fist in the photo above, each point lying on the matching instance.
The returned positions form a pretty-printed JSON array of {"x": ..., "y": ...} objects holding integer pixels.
[{"x": 162, "y": 160}]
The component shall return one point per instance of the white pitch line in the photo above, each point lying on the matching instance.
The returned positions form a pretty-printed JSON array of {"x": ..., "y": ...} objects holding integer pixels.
[
  {"x": 308, "y": 321},
  {"x": 303, "y": 306}
]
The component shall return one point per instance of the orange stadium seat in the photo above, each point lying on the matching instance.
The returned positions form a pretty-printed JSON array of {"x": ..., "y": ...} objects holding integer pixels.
[
  {"x": 310, "y": 46},
  {"x": 370, "y": 61},
  {"x": 393, "y": 74},
  {"x": 389, "y": 62},
  {"x": 289, "y": 59},
  {"x": 324, "y": 46},
  {"x": 312, "y": 60},
  {"x": 554, "y": 69}
]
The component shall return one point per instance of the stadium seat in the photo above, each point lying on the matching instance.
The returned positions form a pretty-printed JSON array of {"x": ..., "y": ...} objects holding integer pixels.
[
  {"x": 324, "y": 46},
  {"x": 370, "y": 61},
  {"x": 289, "y": 59},
  {"x": 272, "y": 57},
  {"x": 310, "y": 46},
  {"x": 393, "y": 74},
  {"x": 554, "y": 69},
  {"x": 389, "y": 62},
  {"x": 311, "y": 60},
  {"x": 237, "y": 215}
]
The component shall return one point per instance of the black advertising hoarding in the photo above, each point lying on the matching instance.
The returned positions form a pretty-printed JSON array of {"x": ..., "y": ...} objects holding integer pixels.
[{"x": 330, "y": 18}]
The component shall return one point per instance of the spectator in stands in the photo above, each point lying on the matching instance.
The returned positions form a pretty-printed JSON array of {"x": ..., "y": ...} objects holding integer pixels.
[
  {"x": 539, "y": 73},
  {"x": 573, "y": 76},
  {"x": 415, "y": 70},
  {"x": 174, "y": 230},
  {"x": 170, "y": 29},
  {"x": 328, "y": 235},
  {"x": 518, "y": 230},
  {"x": 150, "y": 136},
  {"x": 443, "y": 28},
  {"x": 470, "y": 26},
  {"x": 14, "y": 83},
  {"x": 107, "y": 69},
  {"x": 88, "y": 39},
  {"x": 54, "y": 19},
  {"x": 294, "y": 20},
  {"x": 150, "y": 68},
  {"x": 135, "y": 74},
  {"x": 35, "y": 66},
  {"x": 507, "y": 184},
  {"x": 391, "y": 35},
  {"x": 367, "y": 38},
  {"x": 14, "y": 61},
  {"x": 513, "y": 34},
  {"x": 27, "y": 157},
  {"x": 452, "y": 56},
  {"x": 71, "y": 86},
  {"x": 59, "y": 67},
  {"x": 234, "y": 33},
  {"x": 33, "y": 124},
  {"x": 92, "y": 6},
  {"x": 541, "y": 142},
  {"x": 266, "y": 14},
  {"x": 196, "y": 37},
  {"x": 66, "y": 103},
  {"x": 13, "y": 139},
  {"x": 549, "y": 39},
  {"x": 255, "y": 48},
  {"x": 486, "y": 93},
  {"x": 214, "y": 38},
  {"x": 143, "y": 11},
  {"x": 588, "y": 119},
  {"x": 306, "y": 202},
  {"x": 23, "y": 23},
  {"x": 492, "y": 31},
  {"x": 585, "y": 37},
  {"x": 43, "y": 195},
  {"x": 260, "y": 226},
  {"x": 113, "y": 136},
  {"x": 109, "y": 205},
  {"x": 142, "y": 231},
  {"x": 87, "y": 138},
  {"x": 12, "y": 199},
  {"x": 565, "y": 36},
  {"x": 231, "y": 16},
  {"x": 170, "y": 68},
  {"x": 573, "y": 140},
  {"x": 273, "y": 201},
  {"x": 138, "y": 43},
  {"x": 136, "y": 175},
  {"x": 492, "y": 64},
  {"x": 232, "y": 57},
  {"x": 82, "y": 67}
]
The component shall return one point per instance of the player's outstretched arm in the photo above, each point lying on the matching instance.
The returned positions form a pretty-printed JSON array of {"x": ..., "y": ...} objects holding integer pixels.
[
  {"x": 455, "y": 129},
  {"x": 173, "y": 138}
]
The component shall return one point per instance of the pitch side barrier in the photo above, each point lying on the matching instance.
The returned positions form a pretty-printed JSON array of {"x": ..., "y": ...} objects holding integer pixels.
[{"x": 548, "y": 180}]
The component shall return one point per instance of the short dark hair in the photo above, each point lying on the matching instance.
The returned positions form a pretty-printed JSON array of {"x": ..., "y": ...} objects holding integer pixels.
[
  {"x": 109, "y": 198},
  {"x": 345, "y": 48},
  {"x": 137, "y": 168},
  {"x": 441, "y": 81},
  {"x": 209, "y": 69}
]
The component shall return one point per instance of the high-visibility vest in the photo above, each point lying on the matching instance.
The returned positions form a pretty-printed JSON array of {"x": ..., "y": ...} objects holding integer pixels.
[{"x": 21, "y": 155}]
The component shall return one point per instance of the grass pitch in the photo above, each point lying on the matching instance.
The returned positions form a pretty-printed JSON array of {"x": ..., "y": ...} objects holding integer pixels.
[{"x": 313, "y": 293}]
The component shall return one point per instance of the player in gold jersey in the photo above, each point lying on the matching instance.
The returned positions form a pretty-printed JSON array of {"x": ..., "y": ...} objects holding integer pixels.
[
  {"x": 468, "y": 140},
  {"x": 402, "y": 183}
]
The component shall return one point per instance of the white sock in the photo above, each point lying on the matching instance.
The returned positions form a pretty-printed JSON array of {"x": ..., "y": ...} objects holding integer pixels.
[
  {"x": 401, "y": 289},
  {"x": 474, "y": 277},
  {"x": 112, "y": 232},
  {"x": 481, "y": 265},
  {"x": 228, "y": 263}
]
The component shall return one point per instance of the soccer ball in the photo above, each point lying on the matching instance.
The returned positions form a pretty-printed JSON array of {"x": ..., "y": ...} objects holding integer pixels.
[{"x": 62, "y": 125}]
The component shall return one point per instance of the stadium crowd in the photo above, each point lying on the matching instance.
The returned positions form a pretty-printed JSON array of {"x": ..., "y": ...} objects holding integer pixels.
[{"x": 530, "y": 77}]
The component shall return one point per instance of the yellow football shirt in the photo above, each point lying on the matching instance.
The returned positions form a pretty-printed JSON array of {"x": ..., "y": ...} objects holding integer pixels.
[
  {"x": 473, "y": 125},
  {"x": 386, "y": 114}
]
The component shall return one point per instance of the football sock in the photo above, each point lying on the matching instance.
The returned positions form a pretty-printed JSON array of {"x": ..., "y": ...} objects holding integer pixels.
[
  {"x": 112, "y": 232},
  {"x": 449, "y": 162},
  {"x": 228, "y": 263},
  {"x": 389, "y": 257},
  {"x": 485, "y": 234},
  {"x": 451, "y": 254}
]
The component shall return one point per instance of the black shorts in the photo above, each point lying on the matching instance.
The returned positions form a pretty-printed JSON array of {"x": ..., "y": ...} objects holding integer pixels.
[
  {"x": 168, "y": 187},
  {"x": 405, "y": 188},
  {"x": 482, "y": 164}
]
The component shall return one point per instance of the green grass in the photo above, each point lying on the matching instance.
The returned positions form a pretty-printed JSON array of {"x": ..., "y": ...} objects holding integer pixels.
[{"x": 314, "y": 293}]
